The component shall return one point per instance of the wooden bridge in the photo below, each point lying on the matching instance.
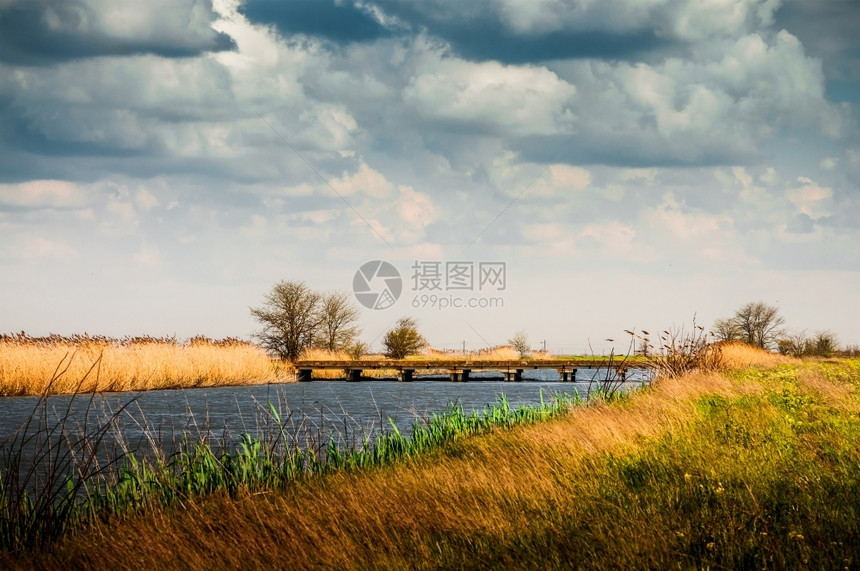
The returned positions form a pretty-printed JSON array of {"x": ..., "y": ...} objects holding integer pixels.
[{"x": 459, "y": 370}]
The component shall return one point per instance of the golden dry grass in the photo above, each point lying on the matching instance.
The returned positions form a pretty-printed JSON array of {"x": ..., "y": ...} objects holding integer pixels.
[
  {"x": 85, "y": 364},
  {"x": 314, "y": 354},
  {"x": 501, "y": 353},
  {"x": 737, "y": 355}
]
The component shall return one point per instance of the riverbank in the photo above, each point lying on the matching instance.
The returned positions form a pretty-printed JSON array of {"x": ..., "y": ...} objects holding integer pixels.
[
  {"x": 81, "y": 364},
  {"x": 753, "y": 467}
]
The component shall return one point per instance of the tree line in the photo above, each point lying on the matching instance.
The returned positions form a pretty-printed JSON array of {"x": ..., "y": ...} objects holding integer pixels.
[
  {"x": 294, "y": 318},
  {"x": 761, "y": 325}
]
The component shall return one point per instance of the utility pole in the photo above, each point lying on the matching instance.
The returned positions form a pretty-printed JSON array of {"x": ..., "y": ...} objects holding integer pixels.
[
  {"x": 544, "y": 345},
  {"x": 464, "y": 348}
]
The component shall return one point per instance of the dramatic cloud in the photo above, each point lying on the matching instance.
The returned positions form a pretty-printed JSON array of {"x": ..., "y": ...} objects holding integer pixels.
[
  {"x": 717, "y": 109},
  {"x": 172, "y": 159},
  {"x": 41, "y": 32}
]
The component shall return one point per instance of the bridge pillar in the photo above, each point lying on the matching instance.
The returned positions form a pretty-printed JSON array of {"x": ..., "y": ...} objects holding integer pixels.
[
  {"x": 514, "y": 376},
  {"x": 405, "y": 375},
  {"x": 567, "y": 376},
  {"x": 460, "y": 375},
  {"x": 304, "y": 375},
  {"x": 353, "y": 375}
]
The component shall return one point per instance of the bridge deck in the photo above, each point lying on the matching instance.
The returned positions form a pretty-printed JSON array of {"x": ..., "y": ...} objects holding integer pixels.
[{"x": 451, "y": 364}]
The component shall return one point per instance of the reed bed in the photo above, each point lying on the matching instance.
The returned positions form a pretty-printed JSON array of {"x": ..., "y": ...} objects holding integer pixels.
[
  {"x": 752, "y": 469},
  {"x": 739, "y": 355},
  {"x": 32, "y": 365},
  {"x": 499, "y": 353},
  {"x": 315, "y": 354}
]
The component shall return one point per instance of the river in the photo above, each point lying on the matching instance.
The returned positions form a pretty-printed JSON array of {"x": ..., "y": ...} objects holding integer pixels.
[{"x": 347, "y": 412}]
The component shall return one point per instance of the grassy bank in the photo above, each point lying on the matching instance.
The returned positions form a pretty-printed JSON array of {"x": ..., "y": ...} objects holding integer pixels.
[
  {"x": 750, "y": 468},
  {"x": 30, "y": 365},
  {"x": 59, "y": 481}
]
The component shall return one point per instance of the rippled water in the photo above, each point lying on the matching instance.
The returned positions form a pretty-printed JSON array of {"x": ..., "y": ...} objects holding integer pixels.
[{"x": 346, "y": 411}]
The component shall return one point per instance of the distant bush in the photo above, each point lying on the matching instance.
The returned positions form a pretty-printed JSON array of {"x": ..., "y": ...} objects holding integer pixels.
[
  {"x": 821, "y": 344},
  {"x": 404, "y": 339},
  {"x": 850, "y": 351}
]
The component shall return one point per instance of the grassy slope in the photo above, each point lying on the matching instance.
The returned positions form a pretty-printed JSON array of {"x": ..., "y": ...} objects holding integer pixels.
[{"x": 746, "y": 469}]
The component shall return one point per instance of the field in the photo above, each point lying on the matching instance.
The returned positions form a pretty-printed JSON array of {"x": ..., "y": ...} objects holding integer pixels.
[
  {"x": 81, "y": 363},
  {"x": 752, "y": 467}
]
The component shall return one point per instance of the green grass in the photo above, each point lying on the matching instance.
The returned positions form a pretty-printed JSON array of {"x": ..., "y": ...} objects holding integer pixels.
[{"x": 756, "y": 481}]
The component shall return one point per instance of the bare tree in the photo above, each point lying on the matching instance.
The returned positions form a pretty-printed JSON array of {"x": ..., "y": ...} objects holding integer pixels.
[
  {"x": 795, "y": 344},
  {"x": 824, "y": 343},
  {"x": 337, "y": 329},
  {"x": 727, "y": 329},
  {"x": 520, "y": 342},
  {"x": 290, "y": 319},
  {"x": 760, "y": 324},
  {"x": 404, "y": 339}
]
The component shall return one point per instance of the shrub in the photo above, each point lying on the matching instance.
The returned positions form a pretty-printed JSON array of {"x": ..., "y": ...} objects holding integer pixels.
[{"x": 404, "y": 339}]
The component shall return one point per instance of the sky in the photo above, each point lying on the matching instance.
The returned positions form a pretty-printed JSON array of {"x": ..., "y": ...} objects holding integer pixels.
[{"x": 570, "y": 169}]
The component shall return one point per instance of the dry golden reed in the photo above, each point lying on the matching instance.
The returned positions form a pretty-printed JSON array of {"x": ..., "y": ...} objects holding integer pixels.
[
  {"x": 84, "y": 364},
  {"x": 500, "y": 353},
  {"x": 314, "y": 354},
  {"x": 738, "y": 355}
]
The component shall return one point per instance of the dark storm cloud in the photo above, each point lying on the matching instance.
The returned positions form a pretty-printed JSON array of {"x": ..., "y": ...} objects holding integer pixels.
[
  {"x": 341, "y": 22},
  {"x": 41, "y": 32},
  {"x": 476, "y": 31}
]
